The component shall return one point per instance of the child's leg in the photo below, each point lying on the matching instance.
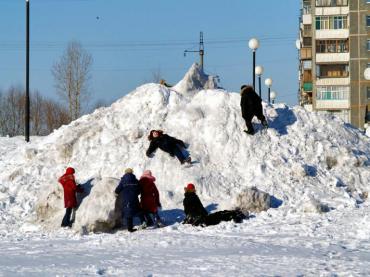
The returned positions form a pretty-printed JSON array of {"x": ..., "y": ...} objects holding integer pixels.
[
  {"x": 148, "y": 219},
  {"x": 179, "y": 155},
  {"x": 130, "y": 224},
  {"x": 66, "y": 222},
  {"x": 157, "y": 218}
]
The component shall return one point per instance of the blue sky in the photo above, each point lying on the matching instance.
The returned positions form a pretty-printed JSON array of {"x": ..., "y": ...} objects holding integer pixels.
[{"x": 132, "y": 39}]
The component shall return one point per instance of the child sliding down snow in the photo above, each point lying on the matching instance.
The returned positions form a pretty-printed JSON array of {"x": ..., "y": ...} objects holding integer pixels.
[
  {"x": 129, "y": 187},
  {"x": 150, "y": 198},
  {"x": 70, "y": 202},
  {"x": 166, "y": 143},
  {"x": 197, "y": 215}
]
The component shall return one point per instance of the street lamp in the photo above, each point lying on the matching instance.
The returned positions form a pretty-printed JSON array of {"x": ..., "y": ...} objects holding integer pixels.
[
  {"x": 254, "y": 44},
  {"x": 273, "y": 96},
  {"x": 367, "y": 74},
  {"x": 268, "y": 83},
  {"x": 27, "y": 102},
  {"x": 259, "y": 72}
]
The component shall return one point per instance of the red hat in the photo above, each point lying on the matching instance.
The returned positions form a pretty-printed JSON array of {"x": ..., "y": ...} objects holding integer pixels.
[
  {"x": 190, "y": 187},
  {"x": 70, "y": 170}
]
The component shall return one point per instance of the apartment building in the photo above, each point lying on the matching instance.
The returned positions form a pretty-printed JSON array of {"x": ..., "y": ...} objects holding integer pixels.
[{"x": 334, "y": 49}]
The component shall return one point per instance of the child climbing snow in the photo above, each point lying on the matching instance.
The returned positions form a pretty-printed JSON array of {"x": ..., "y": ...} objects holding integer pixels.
[
  {"x": 171, "y": 145},
  {"x": 70, "y": 202},
  {"x": 150, "y": 198},
  {"x": 251, "y": 105},
  {"x": 129, "y": 187}
]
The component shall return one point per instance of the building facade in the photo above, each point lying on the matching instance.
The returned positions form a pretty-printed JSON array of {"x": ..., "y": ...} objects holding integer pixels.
[{"x": 334, "y": 52}]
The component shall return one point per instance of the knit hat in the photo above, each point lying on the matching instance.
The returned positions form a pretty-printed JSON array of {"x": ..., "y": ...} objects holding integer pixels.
[
  {"x": 190, "y": 187},
  {"x": 147, "y": 173},
  {"x": 70, "y": 170},
  {"x": 129, "y": 170}
]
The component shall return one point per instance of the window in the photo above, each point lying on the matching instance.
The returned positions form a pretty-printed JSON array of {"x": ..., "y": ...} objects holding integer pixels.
[
  {"x": 332, "y": 46},
  {"x": 368, "y": 92},
  {"x": 368, "y": 20},
  {"x": 332, "y": 93},
  {"x": 368, "y": 45},
  {"x": 332, "y": 71},
  {"x": 332, "y": 3},
  {"x": 331, "y": 22}
]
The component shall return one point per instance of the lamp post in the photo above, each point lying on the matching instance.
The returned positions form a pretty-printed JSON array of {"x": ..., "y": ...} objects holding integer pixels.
[
  {"x": 273, "y": 96},
  {"x": 268, "y": 83},
  {"x": 254, "y": 44},
  {"x": 27, "y": 102},
  {"x": 259, "y": 72},
  {"x": 367, "y": 78}
]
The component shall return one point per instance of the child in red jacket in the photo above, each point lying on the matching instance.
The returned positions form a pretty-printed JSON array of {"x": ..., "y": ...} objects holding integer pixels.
[
  {"x": 70, "y": 202},
  {"x": 149, "y": 198}
]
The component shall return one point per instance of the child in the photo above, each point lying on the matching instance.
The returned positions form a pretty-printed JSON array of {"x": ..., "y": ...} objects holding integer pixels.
[
  {"x": 149, "y": 198},
  {"x": 70, "y": 202},
  {"x": 251, "y": 105},
  {"x": 197, "y": 215},
  {"x": 193, "y": 208},
  {"x": 171, "y": 145},
  {"x": 129, "y": 187}
]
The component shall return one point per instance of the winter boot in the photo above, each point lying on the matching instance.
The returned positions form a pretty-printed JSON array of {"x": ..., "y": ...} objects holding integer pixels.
[{"x": 249, "y": 131}]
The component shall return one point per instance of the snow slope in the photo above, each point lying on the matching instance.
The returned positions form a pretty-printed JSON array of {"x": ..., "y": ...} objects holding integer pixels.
[{"x": 304, "y": 160}]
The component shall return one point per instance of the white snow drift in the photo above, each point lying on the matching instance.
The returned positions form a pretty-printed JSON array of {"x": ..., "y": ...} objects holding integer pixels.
[{"x": 305, "y": 161}]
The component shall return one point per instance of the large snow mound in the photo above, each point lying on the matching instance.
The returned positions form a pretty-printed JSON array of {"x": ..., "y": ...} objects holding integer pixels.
[{"x": 304, "y": 160}]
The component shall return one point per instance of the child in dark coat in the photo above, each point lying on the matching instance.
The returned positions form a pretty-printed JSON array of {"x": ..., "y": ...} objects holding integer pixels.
[
  {"x": 130, "y": 189},
  {"x": 251, "y": 105},
  {"x": 166, "y": 143},
  {"x": 197, "y": 215},
  {"x": 70, "y": 202},
  {"x": 193, "y": 208},
  {"x": 149, "y": 198}
]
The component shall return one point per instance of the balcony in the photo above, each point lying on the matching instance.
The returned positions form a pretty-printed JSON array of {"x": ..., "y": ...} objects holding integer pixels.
[
  {"x": 332, "y": 57},
  {"x": 332, "y": 10},
  {"x": 332, "y": 104},
  {"x": 332, "y": 34},
  {"x": 307, "y": 19},
  {"x": 306, "y": 53},
  {"x": 333, "y": 81}
]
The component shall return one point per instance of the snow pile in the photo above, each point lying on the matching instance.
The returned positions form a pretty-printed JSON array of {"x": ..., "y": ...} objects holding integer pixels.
[
  {"x": 301, "y": 158},
  {"x": 195, "y": 80}
]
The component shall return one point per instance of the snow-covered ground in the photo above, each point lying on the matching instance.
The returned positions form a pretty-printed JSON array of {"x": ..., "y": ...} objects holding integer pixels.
[{"x": 305, "y": 161}]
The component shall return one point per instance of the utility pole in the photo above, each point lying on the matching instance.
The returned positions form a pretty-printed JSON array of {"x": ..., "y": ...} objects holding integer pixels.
[
  {"x": 200, "y": 51},
  {"x": 27, "y": 102}
]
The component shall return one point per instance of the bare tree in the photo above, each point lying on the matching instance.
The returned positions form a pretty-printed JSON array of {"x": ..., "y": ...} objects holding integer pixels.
[
  {"x": 72, "y": 74},
  {"x": 13, "y": 112},
  {"x": 37, "y": 114},
  {"x": 55, "y": 115},
  {"x": 45, "y": 115}
]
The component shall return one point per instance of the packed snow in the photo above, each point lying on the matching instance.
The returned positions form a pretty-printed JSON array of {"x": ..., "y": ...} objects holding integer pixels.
[{"x": 315, "y": 167}]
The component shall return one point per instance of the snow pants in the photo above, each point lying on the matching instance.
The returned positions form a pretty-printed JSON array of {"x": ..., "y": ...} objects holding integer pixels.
[
  {"x": 149, "y": 220},
  {"x": 180, "y": 153},
  {"x": 130, "y": 222},
  {"x": 248, "y": 119},
  {"x": 67, "y": 221}
]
